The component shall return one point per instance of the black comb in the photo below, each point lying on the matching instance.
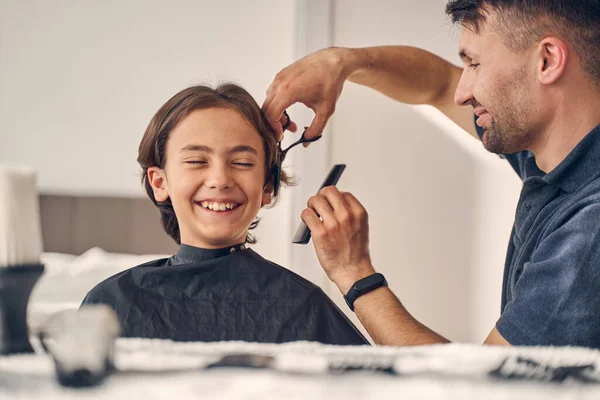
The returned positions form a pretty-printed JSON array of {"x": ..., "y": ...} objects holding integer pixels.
[{"x": 302, "y": 235}]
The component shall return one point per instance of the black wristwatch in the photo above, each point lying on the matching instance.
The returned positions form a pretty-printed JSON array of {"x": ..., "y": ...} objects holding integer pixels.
[{"x": 363, "y": 286}]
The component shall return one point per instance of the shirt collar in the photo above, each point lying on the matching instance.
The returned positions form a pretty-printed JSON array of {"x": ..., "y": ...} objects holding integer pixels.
[
  {"x": 581, "y": 166},
  {"x": 190, "y": 254}
]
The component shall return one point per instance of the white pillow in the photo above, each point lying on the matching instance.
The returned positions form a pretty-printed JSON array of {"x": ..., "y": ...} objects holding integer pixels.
[{"x": 68, "y": 278}]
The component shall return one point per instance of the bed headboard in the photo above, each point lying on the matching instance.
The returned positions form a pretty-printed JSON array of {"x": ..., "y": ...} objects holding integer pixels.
[{"x": 74, "y": 224}]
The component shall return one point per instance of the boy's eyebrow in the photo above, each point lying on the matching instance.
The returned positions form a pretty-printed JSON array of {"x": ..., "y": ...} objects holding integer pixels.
[
  {"x": 243, "y": 149},
  {"x": 206, "y": 149},
  {"x": 197, "y": 147}
]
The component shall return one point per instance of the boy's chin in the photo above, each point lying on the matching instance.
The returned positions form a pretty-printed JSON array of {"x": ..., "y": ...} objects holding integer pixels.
[{"x": 218, "y": 241}]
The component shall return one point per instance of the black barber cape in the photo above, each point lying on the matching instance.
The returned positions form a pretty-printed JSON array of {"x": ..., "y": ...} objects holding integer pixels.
[{"x": 225, "y": 294}]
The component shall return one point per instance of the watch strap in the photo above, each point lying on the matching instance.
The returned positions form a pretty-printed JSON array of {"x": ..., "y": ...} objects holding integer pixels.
[{"x": 364, "y": 286}]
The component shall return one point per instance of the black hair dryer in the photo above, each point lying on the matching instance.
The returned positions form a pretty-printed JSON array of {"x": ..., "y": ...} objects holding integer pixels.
[{"x": 16, "y": 283}]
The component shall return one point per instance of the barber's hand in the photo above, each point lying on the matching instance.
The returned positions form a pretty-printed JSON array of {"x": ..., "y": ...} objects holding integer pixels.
[
  {"x": 316, "y": 81},
  {"x": 341, "y": 239}
]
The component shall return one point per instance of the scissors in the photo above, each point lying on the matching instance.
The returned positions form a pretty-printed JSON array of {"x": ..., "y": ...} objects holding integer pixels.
[
  {"x": 282, "y": 153},
  {"x": 303, "y": 139}
]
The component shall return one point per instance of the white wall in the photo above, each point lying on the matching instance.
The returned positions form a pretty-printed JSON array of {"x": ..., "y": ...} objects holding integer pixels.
[
  {"x": 440, "y": 207},
  {"x": 80, "y": 80}
]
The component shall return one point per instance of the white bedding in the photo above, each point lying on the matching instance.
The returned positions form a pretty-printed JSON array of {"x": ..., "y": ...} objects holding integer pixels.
[{"x": 67, "y": 279}]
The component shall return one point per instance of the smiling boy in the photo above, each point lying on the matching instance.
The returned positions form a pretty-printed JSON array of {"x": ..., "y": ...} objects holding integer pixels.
[{"x": 208, "y": 159}]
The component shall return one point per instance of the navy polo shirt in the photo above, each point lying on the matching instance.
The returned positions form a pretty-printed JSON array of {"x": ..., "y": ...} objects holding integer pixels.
[{"x": 551, "y": 287}]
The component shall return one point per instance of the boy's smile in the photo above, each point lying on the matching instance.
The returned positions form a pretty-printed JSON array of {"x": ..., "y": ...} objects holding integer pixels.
[
  {"x": 219, "y": 205},
  {"x": 214, "y": 176},
  {"x": 219, "y": 208}
]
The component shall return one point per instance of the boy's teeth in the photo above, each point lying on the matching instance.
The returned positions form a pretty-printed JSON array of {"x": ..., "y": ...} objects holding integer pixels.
[{"x": 217, "y": 206}]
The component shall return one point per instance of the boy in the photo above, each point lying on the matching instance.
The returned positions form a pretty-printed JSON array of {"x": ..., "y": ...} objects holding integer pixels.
[{"x": 208, "y": 158}]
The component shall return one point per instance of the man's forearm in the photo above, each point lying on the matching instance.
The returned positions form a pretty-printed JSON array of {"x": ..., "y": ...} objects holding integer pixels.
[
  {"x": 388, "y": 322},
  {"x": 409, "y": 75},
  {"x": 406, "y": 74}
]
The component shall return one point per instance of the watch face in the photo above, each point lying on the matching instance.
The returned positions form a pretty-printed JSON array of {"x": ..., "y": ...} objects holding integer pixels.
[{"x": 368, "y": 282}]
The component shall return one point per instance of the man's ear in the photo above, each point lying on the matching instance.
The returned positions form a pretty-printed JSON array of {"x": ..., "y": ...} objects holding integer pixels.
[
  {"x": 267, "y": 196},
  {"x": 553, "y": 57},
  {"x": 158, "y": 181}
]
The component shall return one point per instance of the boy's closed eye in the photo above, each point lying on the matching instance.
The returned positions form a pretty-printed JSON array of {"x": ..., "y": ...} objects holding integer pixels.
[
  {"x": 245, "y": 164},
  {"x": 198, "y": 162}
]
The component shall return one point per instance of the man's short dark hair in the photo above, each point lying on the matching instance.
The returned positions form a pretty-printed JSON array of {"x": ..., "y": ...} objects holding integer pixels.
[{"x": 522, "y": 22}]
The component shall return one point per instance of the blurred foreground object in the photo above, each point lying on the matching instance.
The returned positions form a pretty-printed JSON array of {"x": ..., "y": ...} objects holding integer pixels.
[
  {"x": 20, "y": 248},
  {"x": 82, "y": 344}
]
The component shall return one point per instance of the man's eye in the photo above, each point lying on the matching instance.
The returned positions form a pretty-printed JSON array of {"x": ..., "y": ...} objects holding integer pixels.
[
  {"x": 195, "y": 162},
  {"x": 474, "y": 65}
]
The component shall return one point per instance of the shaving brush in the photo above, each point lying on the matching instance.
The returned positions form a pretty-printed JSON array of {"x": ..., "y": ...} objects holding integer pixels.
[{"x": 20, "y": 248}]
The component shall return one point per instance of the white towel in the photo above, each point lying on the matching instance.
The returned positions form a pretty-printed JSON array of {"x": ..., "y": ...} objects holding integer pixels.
[{"x": 20, "y": 229}]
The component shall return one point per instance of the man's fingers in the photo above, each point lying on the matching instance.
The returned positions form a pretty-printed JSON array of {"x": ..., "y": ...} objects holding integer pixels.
[
  {"x": 274, "y": 91},
  {"x": 275, "y": 116},
  {"x": 269, "y": 100},
  {"x": 311, "y": 219},
  {"x": 357, "y": 210},
  {"x": 276, "y": 103},
  {"x": 317, "y": 126},
  {"x": 293, "y": 127},
  {"x": 280, "y": 123},
  {"x": 337, "y": 208},
  {"x": 340, "y": 207},
  {"x": 322, "y": 207}
]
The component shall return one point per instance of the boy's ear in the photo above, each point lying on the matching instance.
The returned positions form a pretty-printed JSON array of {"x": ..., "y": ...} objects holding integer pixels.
[
  {"x": 158, "y": 180},
  {"x": 267, "y": 197}
]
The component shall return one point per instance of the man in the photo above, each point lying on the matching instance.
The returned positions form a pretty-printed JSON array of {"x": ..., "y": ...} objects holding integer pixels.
[{"x": 531, "y": 76}]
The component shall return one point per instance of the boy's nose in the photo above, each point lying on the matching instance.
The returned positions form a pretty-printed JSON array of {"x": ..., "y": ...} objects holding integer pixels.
[{"x": 219, "y": 177}]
